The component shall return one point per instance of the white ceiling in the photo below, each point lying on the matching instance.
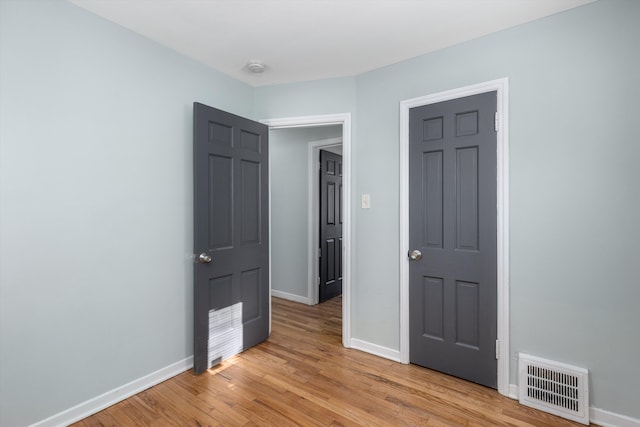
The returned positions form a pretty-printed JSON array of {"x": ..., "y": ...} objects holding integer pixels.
[{"x": 301, "y": 40}]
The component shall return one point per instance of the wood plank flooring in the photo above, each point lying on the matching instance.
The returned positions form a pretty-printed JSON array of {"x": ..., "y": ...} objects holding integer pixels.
[{"x": 302, "y": 376}]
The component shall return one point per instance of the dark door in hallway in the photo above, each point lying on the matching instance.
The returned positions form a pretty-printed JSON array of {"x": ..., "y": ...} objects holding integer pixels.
[{"x": 330, "y": 225}]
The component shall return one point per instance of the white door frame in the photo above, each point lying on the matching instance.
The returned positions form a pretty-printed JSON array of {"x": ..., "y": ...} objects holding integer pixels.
[
  {"x": 344, "y": 120},
  {"x": 502, "y": 191}
]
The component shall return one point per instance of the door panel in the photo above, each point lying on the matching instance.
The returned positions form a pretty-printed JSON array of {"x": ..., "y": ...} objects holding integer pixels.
[
  {"x": 250, "y": 206},
  {"x": 251, "y": 295},
  {"x": 467, "y": 322},
  {"x": 467, "y": 198},
  {"x": 330, "y": 225},
  {"x": 220, "y": 201},
  {"x": 433, "y": 199},
  {"x": 433, "y": 304},
  {"x": 231, "y": 292},
  {"x": 452, "y": 220}
]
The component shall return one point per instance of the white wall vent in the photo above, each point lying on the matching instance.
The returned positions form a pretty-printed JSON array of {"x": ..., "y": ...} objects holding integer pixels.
[
  {"x": 554, "y": 387},
  {"x": 225, "y": 333}
]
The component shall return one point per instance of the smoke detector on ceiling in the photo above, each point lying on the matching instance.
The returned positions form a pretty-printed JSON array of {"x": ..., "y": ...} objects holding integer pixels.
[{"x": 255, "y": 67}]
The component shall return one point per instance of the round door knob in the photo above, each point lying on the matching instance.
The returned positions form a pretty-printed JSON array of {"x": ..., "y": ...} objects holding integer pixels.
[
  {"x": 204, "y": 258},
  {"x": 415, "y": 255}
]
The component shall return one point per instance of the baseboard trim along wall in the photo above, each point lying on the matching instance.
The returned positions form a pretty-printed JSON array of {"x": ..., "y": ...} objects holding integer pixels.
[
  {"x": 290, "y": 297},
  {"x": 375, "y": 349},
  {"x": 513, "y": 391},
  {"x": 596, "y": 415},
  {"x": 116, "y": 395},
  {"x": 609, "y": 419}
]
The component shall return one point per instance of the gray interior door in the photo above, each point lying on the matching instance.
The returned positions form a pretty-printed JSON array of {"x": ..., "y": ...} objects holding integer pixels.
[
  {"x": 330, "y": 225},
  {"x": 231, "y": 235},
  {"x": 453, "y": 240}
]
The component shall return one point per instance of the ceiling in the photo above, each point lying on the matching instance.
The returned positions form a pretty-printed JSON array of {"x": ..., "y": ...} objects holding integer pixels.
[{"x": 300, "y": 40}]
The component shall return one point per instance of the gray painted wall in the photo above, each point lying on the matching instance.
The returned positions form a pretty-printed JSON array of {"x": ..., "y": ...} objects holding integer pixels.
[
  {"x": 289, "y": 168},
  {"x": 574, "y": 197},
  {"x": 95, "y": 205},
  {"x": 95, "y": 178}
]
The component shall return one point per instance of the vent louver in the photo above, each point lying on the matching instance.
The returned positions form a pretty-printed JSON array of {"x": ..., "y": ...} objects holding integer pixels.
[{"x": 554, "y": 387}]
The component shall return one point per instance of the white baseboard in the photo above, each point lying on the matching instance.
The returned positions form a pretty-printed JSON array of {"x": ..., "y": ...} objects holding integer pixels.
[
  {"x": 375, "y": 349},
  {"x": 609, "y": 419},
  {"x": 290, "y": 297},
  {"x": 513, "y": 391},
  {"x": 116, "y": 395},
  {"x": 596, "y": 415}
]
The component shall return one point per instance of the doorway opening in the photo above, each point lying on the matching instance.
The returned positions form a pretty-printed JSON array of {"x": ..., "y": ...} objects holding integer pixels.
[{"x": 294, "y": 213}]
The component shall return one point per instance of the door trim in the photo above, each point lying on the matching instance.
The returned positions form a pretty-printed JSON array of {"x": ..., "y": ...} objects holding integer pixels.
[
  {"x": 501, "y": 86},
  {"x": 343, "y": 119},
  {"x": 314, "y": 217}
]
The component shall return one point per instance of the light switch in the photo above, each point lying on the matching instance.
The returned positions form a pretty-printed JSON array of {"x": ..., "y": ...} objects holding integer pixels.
[{"x": 366, "y": 201}]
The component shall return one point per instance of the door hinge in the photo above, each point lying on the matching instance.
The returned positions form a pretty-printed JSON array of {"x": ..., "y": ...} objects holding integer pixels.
[
  {"x": 319, "y": 252},
  {"x": 497, "y": 349},
  {"x": 496, "y": 122}
]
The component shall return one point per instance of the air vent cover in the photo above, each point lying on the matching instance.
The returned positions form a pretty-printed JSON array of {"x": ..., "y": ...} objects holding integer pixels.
[{"x": 554, "y": 387}]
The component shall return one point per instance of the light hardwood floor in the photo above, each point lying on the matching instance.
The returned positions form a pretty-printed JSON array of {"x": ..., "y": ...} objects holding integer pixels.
[{"x": 303, "y": 376}]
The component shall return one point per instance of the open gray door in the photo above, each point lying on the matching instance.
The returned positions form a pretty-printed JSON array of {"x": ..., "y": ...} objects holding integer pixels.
[
  {"x": 453, "y": 237},
  {"x": 330, "y": 225},
  {"x": 231, "y": 235}
]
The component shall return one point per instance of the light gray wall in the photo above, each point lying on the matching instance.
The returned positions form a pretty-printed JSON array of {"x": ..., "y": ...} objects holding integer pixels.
[
  {"x": 329, "y": 96},
  {"x": 95, "y": 205},
  {"x": 289, "y": 169},
  {"x": 95, "y": 179},
  {"x": 574, "y": 199}
]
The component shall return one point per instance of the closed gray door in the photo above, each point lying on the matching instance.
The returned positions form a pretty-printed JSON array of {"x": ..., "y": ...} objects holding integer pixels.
[
  {"x": 231, "y": 235},
  {"x": 452, "y": 220},
  {"x": 330, "y": 225}
]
